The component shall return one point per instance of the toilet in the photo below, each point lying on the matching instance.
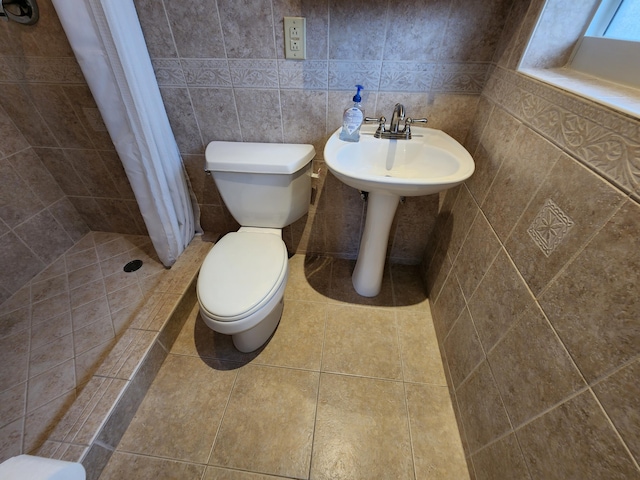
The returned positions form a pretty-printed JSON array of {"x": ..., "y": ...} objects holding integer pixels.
[{"x": 265, "y": 186}]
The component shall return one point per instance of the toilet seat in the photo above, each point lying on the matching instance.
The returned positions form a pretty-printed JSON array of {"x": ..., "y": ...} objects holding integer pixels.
[{"x": 241, "y": 274}]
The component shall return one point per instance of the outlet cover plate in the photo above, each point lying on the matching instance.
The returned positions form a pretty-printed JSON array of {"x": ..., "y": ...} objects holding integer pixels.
[{"x": 295, "y": 38}]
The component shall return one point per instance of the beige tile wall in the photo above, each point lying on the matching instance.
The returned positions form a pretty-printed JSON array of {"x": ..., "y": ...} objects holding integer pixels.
[
  {"x": 533, "y": 275},
  {"x": 59, "y": 173},
  {"x": 223, "y": 76}
]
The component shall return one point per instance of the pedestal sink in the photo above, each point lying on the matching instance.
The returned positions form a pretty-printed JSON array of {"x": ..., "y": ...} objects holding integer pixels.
[{"x": 430, "y": 162}]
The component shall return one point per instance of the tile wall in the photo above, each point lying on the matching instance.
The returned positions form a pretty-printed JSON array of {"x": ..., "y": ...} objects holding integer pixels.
[
  {"x": 59, "y": 172},
  {"x": 533, "y": 275},
  {"x": 223, "y": 76}
]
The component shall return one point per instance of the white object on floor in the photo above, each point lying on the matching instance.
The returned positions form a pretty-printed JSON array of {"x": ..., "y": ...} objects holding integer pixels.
[{"x": 29, "y": 467}]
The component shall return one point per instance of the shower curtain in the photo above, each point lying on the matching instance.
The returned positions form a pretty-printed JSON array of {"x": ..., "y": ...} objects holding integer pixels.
[{"x": 107, "y": 41}]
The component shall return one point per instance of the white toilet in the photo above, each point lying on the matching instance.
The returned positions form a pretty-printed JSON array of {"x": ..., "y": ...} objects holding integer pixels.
[{"x": 265, "y": 186}]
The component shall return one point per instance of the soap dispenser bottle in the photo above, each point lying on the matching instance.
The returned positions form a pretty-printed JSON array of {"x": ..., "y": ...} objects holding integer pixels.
[{"x": 352, "y": 119}]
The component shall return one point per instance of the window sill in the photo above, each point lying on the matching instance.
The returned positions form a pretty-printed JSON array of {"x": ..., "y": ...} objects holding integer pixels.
[{"x": 618, "y": 97}]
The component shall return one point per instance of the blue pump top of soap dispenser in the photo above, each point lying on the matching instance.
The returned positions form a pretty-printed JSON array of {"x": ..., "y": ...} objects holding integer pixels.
[{"x": 357, "y": 98}]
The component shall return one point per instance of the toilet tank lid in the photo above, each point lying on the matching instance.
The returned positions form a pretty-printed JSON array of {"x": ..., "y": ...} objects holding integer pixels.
[{"x": 246, "y": 157}]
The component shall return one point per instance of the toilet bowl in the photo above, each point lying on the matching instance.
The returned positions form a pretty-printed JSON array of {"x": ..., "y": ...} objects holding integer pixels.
[
  {"x": 241, "y": 286},
  {"x": 242, "y": 280}
]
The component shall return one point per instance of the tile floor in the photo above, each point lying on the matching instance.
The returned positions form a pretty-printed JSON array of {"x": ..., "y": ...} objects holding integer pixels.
[
  {"x": 55, "y": 331},
  {"x": 347, "y": 387}
]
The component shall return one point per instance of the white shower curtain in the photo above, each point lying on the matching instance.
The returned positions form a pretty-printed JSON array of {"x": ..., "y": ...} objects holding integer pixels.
[{"x": 107, "y": 40}]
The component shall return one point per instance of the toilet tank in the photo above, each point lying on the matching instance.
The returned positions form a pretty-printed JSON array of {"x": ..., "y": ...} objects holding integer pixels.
[{"x": 262, "y": 184}]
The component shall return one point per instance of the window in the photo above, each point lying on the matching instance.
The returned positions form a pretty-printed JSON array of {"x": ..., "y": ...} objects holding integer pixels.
[
  {"x": 618, "y": 20},
  {"x": 605, "y": 65},
  {"x": 610, "y": 49}
]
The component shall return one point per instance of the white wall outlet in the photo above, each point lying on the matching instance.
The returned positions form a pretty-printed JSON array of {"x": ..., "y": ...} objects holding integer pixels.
[{"x": 295, "y": 38}]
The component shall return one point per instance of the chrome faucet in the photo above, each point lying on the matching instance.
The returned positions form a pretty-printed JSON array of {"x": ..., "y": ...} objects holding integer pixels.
[
  {"x": 394, "y": 132},
  {"x": 396, "y": 117}
]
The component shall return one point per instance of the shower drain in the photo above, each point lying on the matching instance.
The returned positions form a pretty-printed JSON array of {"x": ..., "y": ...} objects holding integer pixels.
[{"x": 133, "y": 265}]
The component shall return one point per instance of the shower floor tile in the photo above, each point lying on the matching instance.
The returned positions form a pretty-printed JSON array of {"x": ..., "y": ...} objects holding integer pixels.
[{"x": 56, "y": 329}]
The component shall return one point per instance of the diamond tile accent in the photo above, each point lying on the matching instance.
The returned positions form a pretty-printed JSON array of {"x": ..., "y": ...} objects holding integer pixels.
[{"x": 549, "y": 227}]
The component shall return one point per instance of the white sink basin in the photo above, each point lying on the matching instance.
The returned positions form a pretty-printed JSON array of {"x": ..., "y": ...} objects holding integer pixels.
[{"x": 430, "y": 162}]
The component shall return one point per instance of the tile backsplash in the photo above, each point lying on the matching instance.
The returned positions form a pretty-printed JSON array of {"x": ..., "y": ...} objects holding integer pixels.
[{"x": 222, "y": 73}]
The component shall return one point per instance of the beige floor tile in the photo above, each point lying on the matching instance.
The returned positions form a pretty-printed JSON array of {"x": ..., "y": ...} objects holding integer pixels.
[
  {"x": 88, "y": 362},
  {"x": 81, "y": 259},
  {"x": 84, "y": 275},
  {"x": 39, "y": 423},
  {"x": 268, "y": 425},
  {"x": 437, "y": 448},
  {"x": 112, "y": 248},
  {"x": 50, "y": 384},
  {"x": 14, "y": 358},
  {"x": 54, "y": 328},
  {"x": 11, "y": 439},
  {"x": 421, "y": 360},
  {"x": 342, "y": 290},
  {"x": 87, "y": 293},
  {"x": 70, "y": 296},
  {"x": 180, "y": 413},
  {"x": 15, "y": 322},
  {"x": 196, "y": 339},
  {"x": 124, "y": 466},
  {"x": 362, "y": 341},
  {"x": 12, "y": 403},
  {"x": 92, "y": 335},
  {"x": 124, "y": 296},
  {"x": 49, "y": 355},
  {"x": 362, "y": 430},
  {"x": 309, "y": 278},
  {"x": 49, "y": 308},
  {"x": 297, "y": 342},
  {"x": 49, "y": 288},
  {"x": 408, "y": 288},
  {"x": 215, "y": 473},
  {"x": 89, "y": 313},
  {"x": 119, "y": 280}
]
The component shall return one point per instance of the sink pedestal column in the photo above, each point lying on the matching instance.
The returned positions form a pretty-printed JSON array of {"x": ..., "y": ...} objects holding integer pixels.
[{"x": 367, "y": 276}]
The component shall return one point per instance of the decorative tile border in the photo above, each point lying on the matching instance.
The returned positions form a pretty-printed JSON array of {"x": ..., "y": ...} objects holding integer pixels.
[
  {"x": 168, "y": 72},
  {"x": 549, "y": 227},
  {"x": 207, "y": 73},
  {"x": 343, "y": 75},
  {"x": 467, "y": 78},
  {"x": 460, "y": 78},
  {"x": 605, "y": 141},
  {"x": 307, "y": 74},
  {"x": 254, "y": 73},
  {"x": 61, "y": 70},
  {"x": 407, "y": 76}
]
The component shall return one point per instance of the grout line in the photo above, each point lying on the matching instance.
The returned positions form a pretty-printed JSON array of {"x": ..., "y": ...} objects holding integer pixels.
[
  {"x": 615, "y": 429},
  {"x": 224, "y": 412},
  {"x": 408, "y": 417}
]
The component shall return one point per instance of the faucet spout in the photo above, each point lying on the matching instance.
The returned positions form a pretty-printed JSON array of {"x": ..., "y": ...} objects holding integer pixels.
[{"x": 396, "y": 118}]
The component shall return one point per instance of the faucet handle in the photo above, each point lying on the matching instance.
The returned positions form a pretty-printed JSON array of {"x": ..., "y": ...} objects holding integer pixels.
[
  {"x": 416, "y": 120},
  {"x": 374, "y": 119},
  {"x": 381, "y": 121},
  {"x": 409, "y": 122}
]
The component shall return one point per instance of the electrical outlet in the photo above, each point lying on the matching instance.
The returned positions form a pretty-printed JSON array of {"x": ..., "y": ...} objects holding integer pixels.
[{"x": 295, "y": 41}]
